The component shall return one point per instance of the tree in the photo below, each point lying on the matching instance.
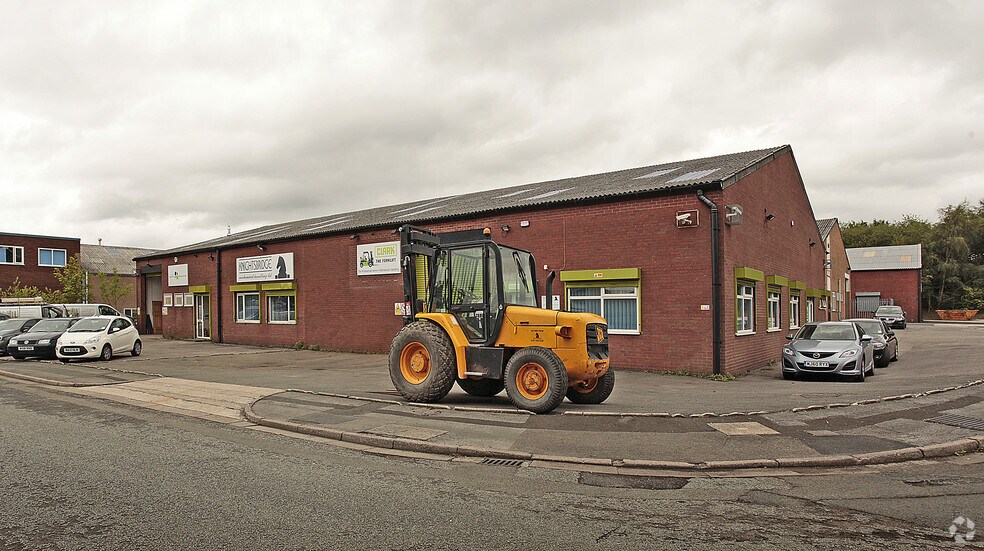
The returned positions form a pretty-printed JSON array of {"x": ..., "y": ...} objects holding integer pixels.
[
  {"x": 74, "y": 282},
  {"x": 112, "y": 288},
  {"x": 17, "y": 291}
]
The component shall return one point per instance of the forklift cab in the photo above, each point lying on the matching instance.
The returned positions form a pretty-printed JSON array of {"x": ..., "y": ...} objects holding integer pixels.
[{"x": 475, "y": 279}]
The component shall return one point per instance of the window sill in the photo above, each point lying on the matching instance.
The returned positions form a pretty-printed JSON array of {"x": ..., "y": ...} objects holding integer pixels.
[
  {"x": 282, "y": 322},
  {"x": 51, "y": 265},
  {"x": 791, "y": 327},
  {"x": 12, "y": 263},
  {"x": 776, "y": 330},
  {"x": 247, "y": 321},
  {"x": 623, "y": 332},
  {"x": 744, "y": 333}
]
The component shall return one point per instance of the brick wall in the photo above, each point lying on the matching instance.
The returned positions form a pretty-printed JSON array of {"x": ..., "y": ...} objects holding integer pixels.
[
  {"x": 128, "y": 301},
  {"x": 30, "y": 274},
  {"x": 337, "y": 309},
  {"x": 900, "y": 285},
  {"x": 839, "y": 272}
]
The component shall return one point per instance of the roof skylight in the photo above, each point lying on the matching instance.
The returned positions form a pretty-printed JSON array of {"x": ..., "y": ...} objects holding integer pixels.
[
  {"x": 659, "y": 172},
  {"x": 695, "y": 175},
  {"x": 550, "y": 194}
]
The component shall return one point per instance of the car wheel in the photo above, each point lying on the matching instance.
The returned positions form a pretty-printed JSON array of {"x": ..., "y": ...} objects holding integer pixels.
[
  {"x": 885, "y": 359},
  {"x": 137, "y": 348},
  {"x": 536, "y": 379},
  {"x": 107, "y": 353},
  {"x": 895, "y": 354}
]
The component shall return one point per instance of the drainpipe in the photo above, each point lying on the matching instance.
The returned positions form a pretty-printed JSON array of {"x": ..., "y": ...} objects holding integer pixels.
[
  {"x": 218, "y": 296},
  {"x": 715, "y": 279}
]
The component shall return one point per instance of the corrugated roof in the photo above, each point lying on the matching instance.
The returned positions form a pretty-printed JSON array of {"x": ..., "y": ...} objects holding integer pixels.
[
  {"x": 722, "y": 171},
  {"x": 825, "y": 226},
  {"x": 899, "y": 257},
  {"x": 103, "y": 259}
]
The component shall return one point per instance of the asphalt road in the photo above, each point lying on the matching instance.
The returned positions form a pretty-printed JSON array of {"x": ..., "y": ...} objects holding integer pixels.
[{"x": 82, "y": 473}]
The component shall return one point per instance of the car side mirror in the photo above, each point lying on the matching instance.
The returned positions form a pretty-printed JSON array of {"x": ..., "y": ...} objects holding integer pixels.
[{"x": 866, "y": 338}]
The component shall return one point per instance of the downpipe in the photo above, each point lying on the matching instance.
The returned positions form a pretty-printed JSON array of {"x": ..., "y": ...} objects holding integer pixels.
[{"x": 716, "y": 300}]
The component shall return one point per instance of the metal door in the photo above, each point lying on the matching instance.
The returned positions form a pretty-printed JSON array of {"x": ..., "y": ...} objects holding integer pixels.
[
  {"x": 203, "y": 317},
  {"x": 867, "y": 303}
]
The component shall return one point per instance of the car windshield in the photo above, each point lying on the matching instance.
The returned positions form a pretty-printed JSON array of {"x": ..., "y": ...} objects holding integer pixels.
[
  {"x": 827, "y": 333},
  {"x": 50, "y": 326},
  {"x": 91, "y": 325},
  {"x": 874, "y": 327},
  {"x": 15, "y": 323},
  {"x": 889, "y": 311}
]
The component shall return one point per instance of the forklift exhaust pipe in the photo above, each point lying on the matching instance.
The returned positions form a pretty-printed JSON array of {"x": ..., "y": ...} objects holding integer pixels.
[{"x": 548, "y": 299}]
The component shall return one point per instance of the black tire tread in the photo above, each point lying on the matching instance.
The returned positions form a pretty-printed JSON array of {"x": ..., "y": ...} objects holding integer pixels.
[
  {"x": 442, "y": 357},
  {"x": 556, "y": 373},
  {"x": 599, "y": 394},
  {"x": 135, "y": 351}
]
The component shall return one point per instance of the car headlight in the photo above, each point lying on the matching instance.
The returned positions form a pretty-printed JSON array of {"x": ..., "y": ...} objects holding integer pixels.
[
  {"x": 850, "y": 353},
  {"x": 879, "y": 345},
  {"x": 93, "y": 340},
  {"x": 787, "y": 351},
  {"x": 44, "y": 341}
]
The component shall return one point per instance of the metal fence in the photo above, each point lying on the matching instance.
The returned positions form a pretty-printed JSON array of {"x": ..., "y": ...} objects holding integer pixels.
[{"x": 865, "y": 305}]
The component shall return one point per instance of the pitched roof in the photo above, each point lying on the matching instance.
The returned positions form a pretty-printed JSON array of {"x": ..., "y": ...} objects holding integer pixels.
[
  {"x": 899, "y": 257},
  {"x": 825, "y": 226},
  {"x": 719, "y": 171},
  {"x": 104, "y": 259}
]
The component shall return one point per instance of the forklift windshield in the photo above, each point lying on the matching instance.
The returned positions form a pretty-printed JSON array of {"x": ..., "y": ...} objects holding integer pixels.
[{"x": 518, "y": 282}]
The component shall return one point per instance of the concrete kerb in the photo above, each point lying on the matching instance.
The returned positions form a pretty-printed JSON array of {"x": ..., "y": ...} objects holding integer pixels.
[
  {"x": 945, "y": 449},
  {"x": 52, "y": 382}
]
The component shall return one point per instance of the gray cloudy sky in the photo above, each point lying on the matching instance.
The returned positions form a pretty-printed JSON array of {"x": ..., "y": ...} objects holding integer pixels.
[{"x": 158, "y": 124}]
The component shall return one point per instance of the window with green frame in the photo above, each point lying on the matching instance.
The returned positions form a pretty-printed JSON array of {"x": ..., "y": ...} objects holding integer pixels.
[
  {"x": 613, "y": 294},
  {"x": 281, "y": 306},
  {"x": 745, "y": 307},
  {"x": 775, "y": 311}
]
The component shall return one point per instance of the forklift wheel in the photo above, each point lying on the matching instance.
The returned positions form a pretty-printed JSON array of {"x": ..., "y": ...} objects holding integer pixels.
[
  {"x": 481, "y": 387},
  {"x": 594, "y": 391},
  {"x": 536, "y": 379},
  {"x": 422, "y": 362}
]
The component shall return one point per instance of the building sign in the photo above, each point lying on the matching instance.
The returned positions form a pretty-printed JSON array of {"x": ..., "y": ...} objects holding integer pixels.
[
  {"x": 270, "y": 267},
  {"x": 378, "y": 258},
  {"x": 177, "y": 275}
]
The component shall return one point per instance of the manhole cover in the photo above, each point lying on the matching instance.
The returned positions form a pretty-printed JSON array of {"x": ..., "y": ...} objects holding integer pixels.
[
  {"x": 503, "y": 462},
  {"x": 634, "y": 482},
  {"x": 960, "y": 421}
]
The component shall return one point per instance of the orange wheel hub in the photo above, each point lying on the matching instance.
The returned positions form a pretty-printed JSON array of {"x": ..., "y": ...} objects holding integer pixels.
[
  {"x": 585, "y": 387},
  {"x": 415, "y": 363},
  {"x": 532, "y": 381}
]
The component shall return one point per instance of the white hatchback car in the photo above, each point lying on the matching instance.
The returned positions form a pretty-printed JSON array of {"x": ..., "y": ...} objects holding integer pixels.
[{"x": 99, "y": 337}]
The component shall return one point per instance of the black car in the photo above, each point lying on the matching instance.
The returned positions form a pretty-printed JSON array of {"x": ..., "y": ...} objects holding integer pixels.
[
  {"x": 894, "y": 316},
  {"x": 12, "y": 327},
  {"x": 40, "y": 341},
  {"x": 883, "y": 338}
]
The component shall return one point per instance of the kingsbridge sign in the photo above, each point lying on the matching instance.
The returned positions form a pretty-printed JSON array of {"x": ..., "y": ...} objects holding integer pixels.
[{"x": 271, "y": 267}]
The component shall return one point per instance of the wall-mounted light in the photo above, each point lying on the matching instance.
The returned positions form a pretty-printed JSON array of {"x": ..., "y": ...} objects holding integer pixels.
[
  {"x": 211, "y": 256},
  {"x": 524, "y": 223},
  {"x": 261, "y": 247},
  {"x": 175, "y": 259},
  {"x": 505, "y": 229},
  {"x": 813, "y": 243},
  {"x": 770, "y": 217},
  {"x": 354, "y": 236}
]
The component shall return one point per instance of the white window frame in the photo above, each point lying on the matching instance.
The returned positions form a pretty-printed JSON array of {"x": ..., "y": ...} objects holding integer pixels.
[
  {"x": 794, "y": 310},
  {"x": 241, "y": 307},
  {"x": 775, "y": 311},
  {"x": 15, "y": 248},
  {"x": 603, "y": 296},
  {"x": 292, "y": 309},
  {"x": 811, "y": 304},
  {"x": 745, "y": 293},
  {"x": 52, "y": 251},
  {"x": 131, "y": 313}
]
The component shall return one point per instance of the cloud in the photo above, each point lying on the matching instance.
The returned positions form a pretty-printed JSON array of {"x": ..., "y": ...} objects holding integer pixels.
[{"x": 164, "y": 123}]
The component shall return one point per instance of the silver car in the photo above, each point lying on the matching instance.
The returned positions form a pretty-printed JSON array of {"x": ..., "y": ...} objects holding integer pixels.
[
  {"x": 883, "y": 340},
  {"x": 838, "y": 347}
]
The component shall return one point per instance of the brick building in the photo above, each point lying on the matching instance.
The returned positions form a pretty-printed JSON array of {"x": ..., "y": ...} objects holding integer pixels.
[
  {"x": 31, "y": 259},
  {"x": 635, "y": 245},
  {"x": 837, "y": 271},
  {"x": 887, "y": 275}
]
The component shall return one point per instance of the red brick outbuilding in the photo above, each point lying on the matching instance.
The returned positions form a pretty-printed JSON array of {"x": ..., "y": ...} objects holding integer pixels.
[
  {"x": 887, "y": 275},
  {"x": 31, "y": 259},
  {"x": 635, "y": 244}
]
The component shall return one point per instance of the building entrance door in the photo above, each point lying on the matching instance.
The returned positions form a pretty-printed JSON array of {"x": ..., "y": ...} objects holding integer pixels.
[{"x": 203, "y": 317}]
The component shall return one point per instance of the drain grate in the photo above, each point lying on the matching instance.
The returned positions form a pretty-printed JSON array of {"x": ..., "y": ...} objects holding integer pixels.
[
  {"x": 503, "y": 462},
  {"x": 952, "y": 420}
]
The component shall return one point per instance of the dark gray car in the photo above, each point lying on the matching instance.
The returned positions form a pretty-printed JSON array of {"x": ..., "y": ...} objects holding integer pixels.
[
  {"x": 837, "y": 347},
  {"x": 12, "y": 327},
  {"x": 894, "y": 316},
  {"x": 883, "y": 340}
]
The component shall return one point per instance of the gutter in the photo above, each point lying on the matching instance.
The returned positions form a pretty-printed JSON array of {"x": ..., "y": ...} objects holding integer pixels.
[{"x": 716, "y": 301}]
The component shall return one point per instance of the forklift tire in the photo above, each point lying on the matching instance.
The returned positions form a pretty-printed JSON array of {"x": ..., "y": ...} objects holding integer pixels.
[
  {"x": 422, "y": 362},
  {"x": 594, "y": 391},
  {"x": 536, "y": 379},
  {"x": 481, "y": 387}
]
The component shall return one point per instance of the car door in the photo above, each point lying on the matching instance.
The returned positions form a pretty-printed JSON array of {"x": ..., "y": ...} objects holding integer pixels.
[
  {"x": 116, "y": 337},
  {"x": 126, "y": 335}
]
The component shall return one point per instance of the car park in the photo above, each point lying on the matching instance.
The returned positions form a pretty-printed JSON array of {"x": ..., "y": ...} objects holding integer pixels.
[
  {"x": 835, "y": 347},
  {"x": 883, "y": 340},
  {"x": 40, "y": 340},
  {"x": 99, "y": 337},
  {"x": 894, "y": 316},
  {"x": 12, "y": 327}
]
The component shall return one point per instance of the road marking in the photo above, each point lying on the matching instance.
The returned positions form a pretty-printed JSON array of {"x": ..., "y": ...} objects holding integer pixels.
[{"x": 742, "y": 429}]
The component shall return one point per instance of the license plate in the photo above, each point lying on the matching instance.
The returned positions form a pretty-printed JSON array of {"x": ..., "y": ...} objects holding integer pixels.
[
  {"x": 71, "y": 349},
  {"x": 25, "y": 348},
  {"x": 816, "y": 364}
]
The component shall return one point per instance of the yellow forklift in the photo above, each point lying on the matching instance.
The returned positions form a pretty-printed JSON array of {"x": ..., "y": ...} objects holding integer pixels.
[{"x": 470, "y": 316}]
